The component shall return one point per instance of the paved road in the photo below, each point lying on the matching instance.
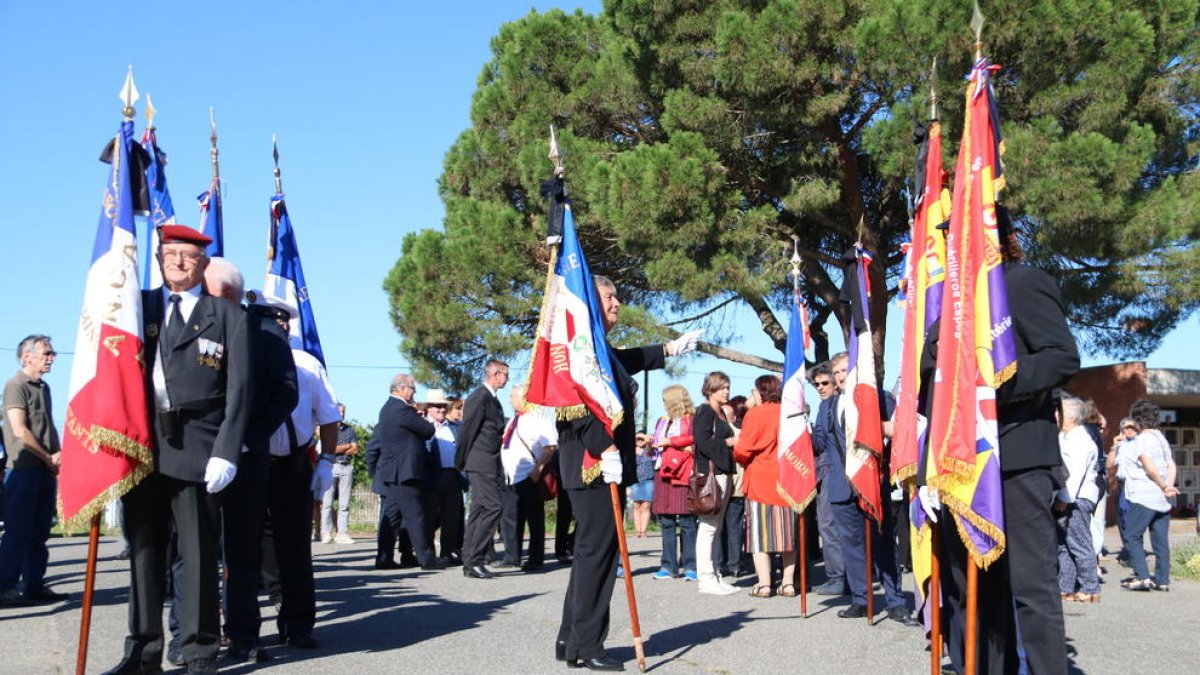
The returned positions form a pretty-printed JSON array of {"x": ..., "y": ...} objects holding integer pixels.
[{"x": 414, "y": 622}]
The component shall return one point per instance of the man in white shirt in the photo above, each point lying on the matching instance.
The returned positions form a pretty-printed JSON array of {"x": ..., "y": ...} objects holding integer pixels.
[
  {"x": 444, "y": 509},
  {"x": 1077, "y": 578}
]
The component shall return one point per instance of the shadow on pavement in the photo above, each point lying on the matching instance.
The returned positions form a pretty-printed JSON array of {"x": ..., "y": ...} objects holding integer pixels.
[{"x": 669, "y": 645}]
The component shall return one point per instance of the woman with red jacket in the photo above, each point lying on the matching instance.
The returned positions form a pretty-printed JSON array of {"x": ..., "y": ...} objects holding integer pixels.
[
  {"x": 771, "y": 523},
  {"x": 673, "y": 439}
]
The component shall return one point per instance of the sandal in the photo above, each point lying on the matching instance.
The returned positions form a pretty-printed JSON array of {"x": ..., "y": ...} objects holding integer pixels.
[
  {"x": 1086, "y": 598},
  {"x": 787, "y": 590},
  {"x": 761, "y": 591},
  {"x": 1139, "y": 585}
]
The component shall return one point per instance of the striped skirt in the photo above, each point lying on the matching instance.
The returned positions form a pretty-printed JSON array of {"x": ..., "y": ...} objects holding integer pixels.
[{"x": 769, "y": 528}]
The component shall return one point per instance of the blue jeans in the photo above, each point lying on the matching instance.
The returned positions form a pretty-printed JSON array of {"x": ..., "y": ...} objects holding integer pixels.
[
  {"x": 29, "y": 496},
  {"x": 686, "y": 527},
  {"x": 1137, "y": 521}
]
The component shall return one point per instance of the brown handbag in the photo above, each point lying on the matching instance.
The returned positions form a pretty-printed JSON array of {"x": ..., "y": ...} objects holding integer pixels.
[{"x": 704, "y": 493}]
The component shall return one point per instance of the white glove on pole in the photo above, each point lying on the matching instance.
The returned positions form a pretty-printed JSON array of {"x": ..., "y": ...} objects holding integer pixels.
[
  {"x": 610, "y": 466},
  {"x": 930, "y": 503},
  {"x": 684, "y": 343},
  {"x": 218, "y": 474}
]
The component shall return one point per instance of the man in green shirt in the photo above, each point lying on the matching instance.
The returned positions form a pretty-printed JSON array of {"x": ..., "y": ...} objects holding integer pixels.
[{"x": 30, "y": 490}]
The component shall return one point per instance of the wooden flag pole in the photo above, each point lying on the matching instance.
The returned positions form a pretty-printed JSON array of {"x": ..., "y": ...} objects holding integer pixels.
[
  {"x": 803, "y": 563},
  {"x": 870, "y": 570},
  {"x": 619, "y": 522},
  {"x": 89, "y": 585},
  {"x": 970, "y": 650},
  {"x": 935, "y": 605}
]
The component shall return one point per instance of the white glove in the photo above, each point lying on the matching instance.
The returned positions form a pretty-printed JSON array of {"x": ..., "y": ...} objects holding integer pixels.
[
  {"x": 930, "y": 503},
  {"x": 684, "y": 343},
  {"x": 610, "y": 466},
  {"x": 218, "y": 474}
]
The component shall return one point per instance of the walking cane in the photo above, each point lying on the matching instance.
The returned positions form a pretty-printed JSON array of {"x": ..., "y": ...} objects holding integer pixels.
[
  {"x": 89, "y": 585},
  {"x": 633, "y": 613}
]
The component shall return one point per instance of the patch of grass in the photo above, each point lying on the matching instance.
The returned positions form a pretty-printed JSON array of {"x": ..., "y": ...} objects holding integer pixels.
[{"x": 1185, "y": 560}]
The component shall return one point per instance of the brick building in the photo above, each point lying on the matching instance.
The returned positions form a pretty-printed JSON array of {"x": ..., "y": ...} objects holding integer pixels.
[{"x": 1177, "y": 392}]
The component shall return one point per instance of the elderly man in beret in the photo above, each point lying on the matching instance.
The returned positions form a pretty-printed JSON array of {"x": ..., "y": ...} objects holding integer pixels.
[{"x": 196, "y": 354}]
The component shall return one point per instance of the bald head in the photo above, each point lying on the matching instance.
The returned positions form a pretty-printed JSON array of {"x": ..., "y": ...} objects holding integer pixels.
[{"x": 223, "y": 280}]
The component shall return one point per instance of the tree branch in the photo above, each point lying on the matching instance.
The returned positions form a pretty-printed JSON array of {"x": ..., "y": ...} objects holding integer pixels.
[{"x": 739, "y": 357}]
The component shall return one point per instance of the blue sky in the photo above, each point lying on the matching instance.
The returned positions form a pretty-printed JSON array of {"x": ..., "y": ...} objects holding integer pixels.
[{"x": 366, "y": 99}]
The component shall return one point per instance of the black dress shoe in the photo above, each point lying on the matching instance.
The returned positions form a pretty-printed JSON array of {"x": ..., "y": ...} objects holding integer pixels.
[
  {"x": 202, "y": 666},
  {"x": 605, "y": 663},
  {"x": 853, "y": 612},
  {"x": 477, "y": 572},
  {"x": 434, "y": 564},
  {"x": 44, "y": 595},
  {"x": 503, "y": 564},
  {"x": 531, "y": 566},
  {"x": 133, "y": 665},
  {"x": 247, "y": 653},
  {"x": 407, "y": 561},
  {"x": 302, "y": 641},
  {"x": 386, "y": 565},
  {"x": 901, "y": 616}
]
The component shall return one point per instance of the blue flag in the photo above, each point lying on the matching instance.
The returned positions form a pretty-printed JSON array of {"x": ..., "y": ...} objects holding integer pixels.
[
  {"x": 211, "y": 220},
  {"x": 162, "y": 211},
  {"x": 285, "y": 279}
]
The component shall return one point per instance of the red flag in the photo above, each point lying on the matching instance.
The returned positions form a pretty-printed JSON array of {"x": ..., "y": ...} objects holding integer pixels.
[{"x": 864, "y": 424}]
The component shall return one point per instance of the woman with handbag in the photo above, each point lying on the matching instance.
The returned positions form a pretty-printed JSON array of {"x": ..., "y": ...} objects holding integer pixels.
[
  {"x": 673, "y": 439},
  {"x": 772, "y": 526},
  {"x": 715, "y": 438}
]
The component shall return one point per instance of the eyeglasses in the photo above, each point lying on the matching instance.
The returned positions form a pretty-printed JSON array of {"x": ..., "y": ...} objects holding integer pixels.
[
  {"x": 822, "y": 384},
  {"x": 1128, "y": 428},
  {"x": 50, "y": 352},
  {"x": 181, "y": 256}
]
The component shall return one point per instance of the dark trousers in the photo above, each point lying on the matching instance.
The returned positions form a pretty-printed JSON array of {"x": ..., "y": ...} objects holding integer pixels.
[
  {"x": 289, "y": 512},
  {"x": 852, "y": 532},
  {"x": 445, "y": 511},
  {"x": 831, "y": 540},
  {"x": 729, "y": 549},
  {"x": 528, "y": 509},
  {"x": 485, "y": 515},
  {"x": 404, "y": 509},
  {"x": 152, "y": 508},
  {"x": 903, "y": 535},
  {"x": 388, "y": 540},
  {"x": 564, "y": 536},
  {"x": 585, "y": 614},
  {"x": 29, "y": 496},
  {"x": 678, "y": 543},
  {"x": 1137, "y": 521},
  {"x": 243, "y": 510},
  {"x": 1025, "y": 578}
]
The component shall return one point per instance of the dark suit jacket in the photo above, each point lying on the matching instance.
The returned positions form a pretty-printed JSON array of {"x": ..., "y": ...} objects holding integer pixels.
[
  {"x": 587, "y": 434},
  {"x": 480, "y": 434},
  {"x": 272, "y": 382},
  {"x": 213, "y": 399},
  {"x": 402, "y": 447},
  {"x": 1046, "y": 358},
  {"x": 829, "y": 441}
]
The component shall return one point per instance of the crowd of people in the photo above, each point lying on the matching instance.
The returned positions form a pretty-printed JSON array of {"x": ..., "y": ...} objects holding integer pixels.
[{"x": 252, "y": 450}]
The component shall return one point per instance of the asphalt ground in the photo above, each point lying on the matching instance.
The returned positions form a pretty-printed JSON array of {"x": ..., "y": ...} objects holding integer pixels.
[{"x": 411, "y": 621}]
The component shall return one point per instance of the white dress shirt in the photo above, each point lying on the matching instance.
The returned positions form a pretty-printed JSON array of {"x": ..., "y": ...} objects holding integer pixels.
[
  {"x": 1079, "y": 457},
  {"x": 317, "y": 404},
  {"x": 187, "y": 303}
]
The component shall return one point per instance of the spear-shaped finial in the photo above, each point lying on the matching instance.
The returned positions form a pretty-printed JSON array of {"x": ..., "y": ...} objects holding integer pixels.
[
  {"x": 275, "y": 154},
  {"x": 556, "y": 154},
  {"x": 977, "y": 26},
  {"x": 862, "y": 228},
  {"x": 151, "y": 111},
  {"x": 933, "y": 91},
  {"x": 129, "y": 95},
  {"x": 796, "y": 260},
  {"x": 212, "y": 123}
]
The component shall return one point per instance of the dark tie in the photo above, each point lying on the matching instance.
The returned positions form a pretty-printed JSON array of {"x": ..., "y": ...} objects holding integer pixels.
[{"x": 174, "y": 332}]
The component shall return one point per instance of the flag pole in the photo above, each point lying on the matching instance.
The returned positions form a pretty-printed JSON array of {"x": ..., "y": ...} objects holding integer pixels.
[
  {"x": 129, "y": 95},
  {"x": 934, "y": 596},
  {"x": 971, "y": 638},
  {"x": 802, "y": 558},
  {"x": 870, "y": 571}
]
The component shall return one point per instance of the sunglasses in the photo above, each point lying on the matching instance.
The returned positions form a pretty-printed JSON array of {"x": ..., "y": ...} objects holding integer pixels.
[{"x": 822, "y": 384}]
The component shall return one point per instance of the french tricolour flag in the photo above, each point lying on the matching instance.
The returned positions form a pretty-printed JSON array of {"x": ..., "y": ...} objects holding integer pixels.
[
  {"x": 572, "y": 364},
  {"x": 107, "y": 444},
  {"x": 797, "y": 467}
]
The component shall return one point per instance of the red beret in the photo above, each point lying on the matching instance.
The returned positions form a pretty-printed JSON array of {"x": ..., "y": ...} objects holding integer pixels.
[{"x": 172, "y": 234}]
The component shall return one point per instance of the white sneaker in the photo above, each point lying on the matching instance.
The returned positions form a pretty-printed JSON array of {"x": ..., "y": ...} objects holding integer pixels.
[
  {"x": 715, "y": 587},
  {"x": 325, "y": 538},
  {"x": 343, "y": 539}
]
